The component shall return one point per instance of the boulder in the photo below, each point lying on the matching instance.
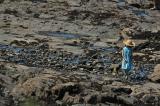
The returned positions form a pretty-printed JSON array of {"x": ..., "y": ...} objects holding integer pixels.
[
  {"x": 155, "y": 76},
  {"x": 149, "y": 99},
  {"x": 38, "y": 86},
  {"x": 60, "y": 90},
  {"x": 139, "y": 3},
  {"x": 157, "y": 4},
  {"x": 69, "y": 99},
  {"x": 127, "y": 100},
  {"x": 91, "y": 99}
]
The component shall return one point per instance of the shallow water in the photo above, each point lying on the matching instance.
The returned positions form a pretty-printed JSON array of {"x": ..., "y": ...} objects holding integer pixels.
[
  {"x": 59, "y": 34},
  {"x": 140, "y": 13}
]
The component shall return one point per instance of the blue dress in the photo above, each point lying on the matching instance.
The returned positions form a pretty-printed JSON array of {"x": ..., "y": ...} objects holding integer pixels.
[{"x": 127, "y": 59}]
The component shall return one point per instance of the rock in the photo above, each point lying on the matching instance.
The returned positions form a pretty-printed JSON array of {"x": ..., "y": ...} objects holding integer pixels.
[
  {"x": 91, "y": 99},
  {"x": 36, "y": 15},
  {"x": 37, "y": 86},
  {"x": 41, "y": 40},
  {"x": 42, "y": 1},
  {"x": 6, "y": 101},
  {"x": 74, "y": 3},
  {"x": 157, "y": 4},
  {"x": 155, "y": 76},
  {"x": 127, "y": 100},
  {"x": 109, "y": 80},
  {"x": 139, "y": 4},
  {"x": 126, "y": 32},
  {"x": 22, "y": 26},
  {"x": 68, "y": 99},
  {"x": 98, "y": 39},
  {"x": 2, "y": 1},
  {"x": 59, "y": 103},
  {"x": 11, "y": 11},
  {"x": 19, "y": 43},
  {"x": 2, "y": 66},
  {"x": 60, "y": 89},
  {"x": 108, "y": 97},
  {"x": 43, "y": 46},
  {"x": 97, "y": 85},
  {"x": 73, "y": 43},
  {"x": 100, "y": 44},
  {"x": 121, "y": 90},
  {"x": 149, "y": 99}
]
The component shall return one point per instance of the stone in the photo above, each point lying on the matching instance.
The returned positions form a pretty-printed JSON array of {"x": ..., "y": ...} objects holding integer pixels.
[
  {"x": 149, "y": 99},
  {"x": 68, "y": 99},
  {"x": 155, "y": 76},
  {"x": 44, "y": 46},
  {"x": 11, "y": 11},
  {"x": 59, "y": 103},
  {"x": 36, "y": 15},
  {"x": 127, "y": 100},
  {"x": 2, "y": 1},
  {"x": 60, "y": 90},
  {"x": 157, "y": 4},
  {"x": 19, "y": 43},
  {"x": 121, "y": 90},
  {"x": 37, "y": 86},
  {"x": 91, "y": 99}
]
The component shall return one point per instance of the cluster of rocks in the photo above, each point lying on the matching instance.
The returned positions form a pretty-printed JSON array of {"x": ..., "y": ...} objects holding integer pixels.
[
  {"x": 60, "y": 88},
  {"x": 104, "y": 18},
  {"x": 92, "y": 60},
  {"x": 81, "y": 79}
]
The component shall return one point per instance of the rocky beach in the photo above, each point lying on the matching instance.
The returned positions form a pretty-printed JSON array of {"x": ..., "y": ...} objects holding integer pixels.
[{"x": 68, "y": 53}]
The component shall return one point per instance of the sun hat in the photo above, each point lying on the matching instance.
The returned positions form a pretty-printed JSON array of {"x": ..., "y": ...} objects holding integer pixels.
[{"x": 128, "y": 42}]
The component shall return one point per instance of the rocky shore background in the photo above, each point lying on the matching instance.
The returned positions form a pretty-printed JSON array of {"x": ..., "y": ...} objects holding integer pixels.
[{"x": 64, "y": 52}]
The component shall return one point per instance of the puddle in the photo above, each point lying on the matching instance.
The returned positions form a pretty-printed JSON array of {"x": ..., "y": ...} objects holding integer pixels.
[
  {"x": 105, "y": 49},
  {"x": 141, "y": 13},
  {"x": 10, "y": 48},
  {"x": 59, "y": 34},
  {"x": 120, "y": 4}
]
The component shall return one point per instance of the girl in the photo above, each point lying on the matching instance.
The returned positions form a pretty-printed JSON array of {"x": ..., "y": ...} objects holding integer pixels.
[{"x": 127, "y": 56}]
